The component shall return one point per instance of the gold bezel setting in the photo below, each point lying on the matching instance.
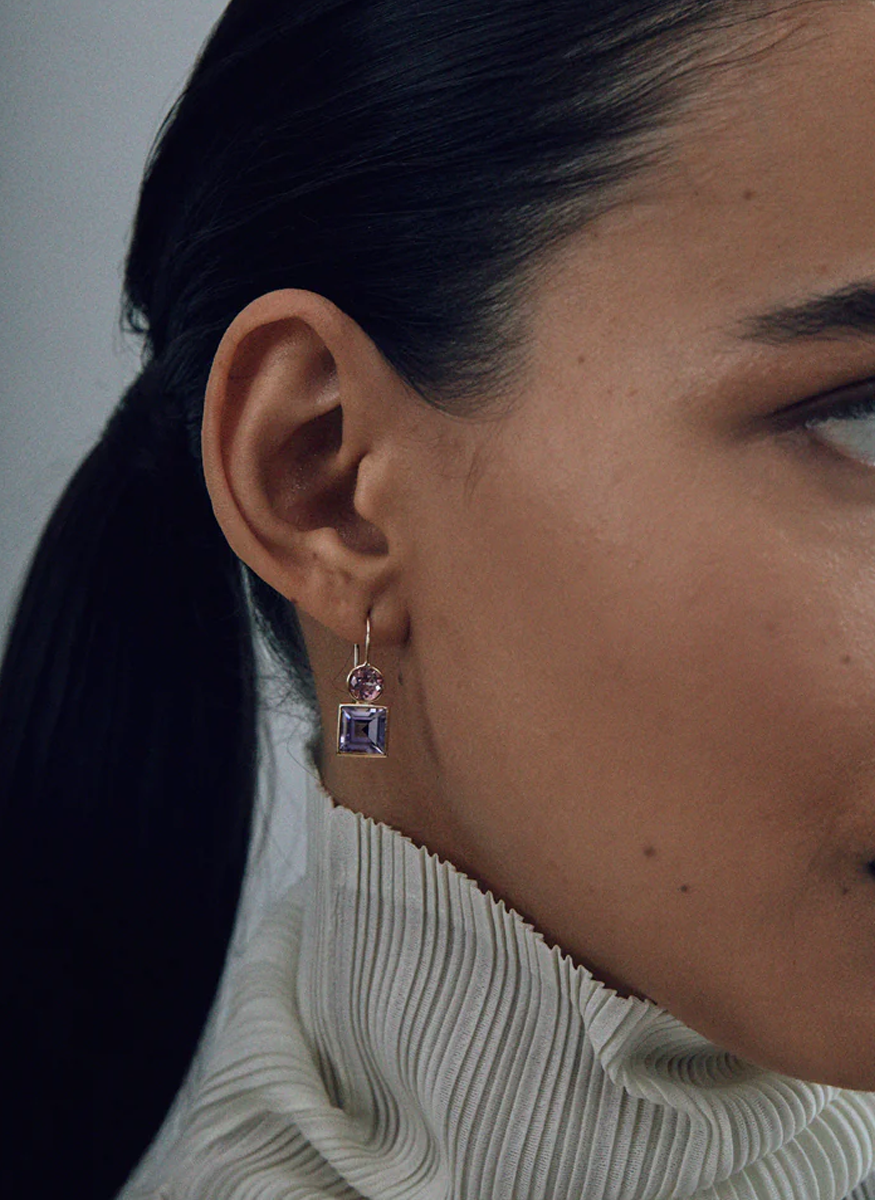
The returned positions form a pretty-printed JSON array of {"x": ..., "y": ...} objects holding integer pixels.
[{"x": 363, "y": 730}]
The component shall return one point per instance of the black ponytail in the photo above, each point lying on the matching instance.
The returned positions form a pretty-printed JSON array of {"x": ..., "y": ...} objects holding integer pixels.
[
  {"x": 415, "y": 163},
  {"x": 127, "y": 726}
]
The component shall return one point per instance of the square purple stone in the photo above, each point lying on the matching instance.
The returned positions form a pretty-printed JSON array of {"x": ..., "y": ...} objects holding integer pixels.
[{"x": 361, "y": 729}]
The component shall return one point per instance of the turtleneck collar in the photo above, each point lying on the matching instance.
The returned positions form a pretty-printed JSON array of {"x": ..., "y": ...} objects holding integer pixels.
[{"x": 393, "y": 1031}]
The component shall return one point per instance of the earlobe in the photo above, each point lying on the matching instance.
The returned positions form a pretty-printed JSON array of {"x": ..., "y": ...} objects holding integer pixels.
[{"x": 283, "y": 451}]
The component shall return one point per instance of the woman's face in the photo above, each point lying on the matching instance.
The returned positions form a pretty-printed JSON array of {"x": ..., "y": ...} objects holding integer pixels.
[{"x": 638, "y": 696}]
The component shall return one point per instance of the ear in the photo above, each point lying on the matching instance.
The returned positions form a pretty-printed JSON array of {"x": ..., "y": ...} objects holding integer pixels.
[{"x": 301, "y": 443}]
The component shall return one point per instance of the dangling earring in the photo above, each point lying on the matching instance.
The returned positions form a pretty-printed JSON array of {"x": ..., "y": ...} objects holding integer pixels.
[{"x": 363, "y": 728}]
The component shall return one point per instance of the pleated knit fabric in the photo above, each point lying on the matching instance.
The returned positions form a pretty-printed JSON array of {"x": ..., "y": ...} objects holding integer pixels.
[{"x": 393, "y": 1032}]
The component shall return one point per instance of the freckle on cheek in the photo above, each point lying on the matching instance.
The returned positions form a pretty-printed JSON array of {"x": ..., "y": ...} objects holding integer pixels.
[
  {"x": 650, "y": 852},
  {"x": 685, "y": 887}
]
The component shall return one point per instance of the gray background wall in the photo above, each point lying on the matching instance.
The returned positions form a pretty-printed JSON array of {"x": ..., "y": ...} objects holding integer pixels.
[{"x": 83, "y": 88}]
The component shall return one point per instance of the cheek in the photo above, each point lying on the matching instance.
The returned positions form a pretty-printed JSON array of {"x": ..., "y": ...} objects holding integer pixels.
[
  {"x": 743, "y": 648},
  {"x": 710, "y": 678},
  {"x": 651, "y": 693}
]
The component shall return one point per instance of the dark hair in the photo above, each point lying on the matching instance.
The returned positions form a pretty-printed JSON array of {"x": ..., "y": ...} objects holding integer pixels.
[{"x": 413, "y": 161}]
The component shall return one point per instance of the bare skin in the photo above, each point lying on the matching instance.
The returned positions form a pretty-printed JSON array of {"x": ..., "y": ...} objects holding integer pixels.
[{"x": 628, "y": 630}]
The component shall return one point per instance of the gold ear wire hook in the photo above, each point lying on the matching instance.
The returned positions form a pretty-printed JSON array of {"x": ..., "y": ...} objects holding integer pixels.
[{"x": 364, "y": 661}]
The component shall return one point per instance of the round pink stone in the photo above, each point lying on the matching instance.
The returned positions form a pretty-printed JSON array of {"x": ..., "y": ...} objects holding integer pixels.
[{"x": 365, "y": 683}]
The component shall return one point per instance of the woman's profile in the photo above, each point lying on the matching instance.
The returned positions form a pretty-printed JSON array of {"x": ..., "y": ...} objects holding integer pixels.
[{"x": 509, "y": 373}]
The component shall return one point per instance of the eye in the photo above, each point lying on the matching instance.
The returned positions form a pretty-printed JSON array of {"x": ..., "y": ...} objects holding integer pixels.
[{"x": 844, "y": 419}]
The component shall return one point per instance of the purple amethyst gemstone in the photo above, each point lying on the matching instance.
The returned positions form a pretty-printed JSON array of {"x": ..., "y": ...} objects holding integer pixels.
[{"x": 361, "y": 729}]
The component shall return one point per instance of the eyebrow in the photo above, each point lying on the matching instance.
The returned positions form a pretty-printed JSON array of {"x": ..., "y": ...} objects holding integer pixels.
[{"x": 848, "y": 312}]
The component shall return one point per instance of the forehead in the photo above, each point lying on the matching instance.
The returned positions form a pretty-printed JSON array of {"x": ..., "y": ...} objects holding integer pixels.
[{"x": 769, "y": 191}]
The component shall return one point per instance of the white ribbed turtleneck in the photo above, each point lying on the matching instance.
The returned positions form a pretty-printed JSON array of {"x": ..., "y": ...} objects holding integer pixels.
[{"x": 393, "y": 1031}]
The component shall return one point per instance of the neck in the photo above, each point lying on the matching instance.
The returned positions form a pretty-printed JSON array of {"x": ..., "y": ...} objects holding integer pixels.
[
  {"x": 393, "y": 1031},
  {"x": 482, "y": 1061}
]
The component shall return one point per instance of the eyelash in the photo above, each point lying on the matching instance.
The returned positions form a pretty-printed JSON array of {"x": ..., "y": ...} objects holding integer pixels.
[
  {"x": 856, "y": 406},
  {"x": 858, "y": 402}
]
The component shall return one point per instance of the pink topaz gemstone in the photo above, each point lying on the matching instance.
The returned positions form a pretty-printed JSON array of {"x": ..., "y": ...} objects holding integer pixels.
[{"x": 365, "y": 683}]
